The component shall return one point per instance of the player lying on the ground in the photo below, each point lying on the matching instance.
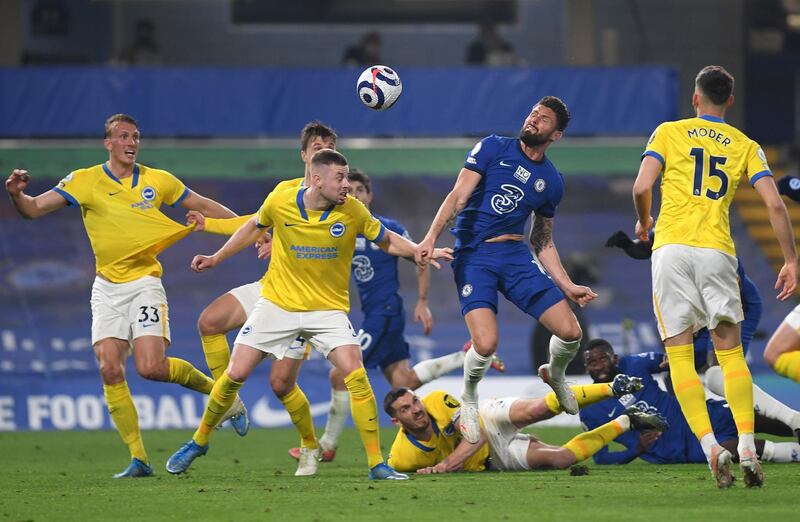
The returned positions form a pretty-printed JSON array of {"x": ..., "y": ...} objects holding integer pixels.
[
  {"x": 678, "y": 445},
  {"x": 429, "y": 440},
  {"x": 381, "y": 335}
]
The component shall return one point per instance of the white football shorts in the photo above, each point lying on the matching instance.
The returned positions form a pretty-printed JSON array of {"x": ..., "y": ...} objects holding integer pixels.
[
  {"x": 273, "y": 330},
  {"x": 694, "y": 288},
  {"x": 129, "y": 310},
  {"x": 508, "y": 448},
  {"x": 793, "y": 319},
  {"x": 248, "y": 295}
]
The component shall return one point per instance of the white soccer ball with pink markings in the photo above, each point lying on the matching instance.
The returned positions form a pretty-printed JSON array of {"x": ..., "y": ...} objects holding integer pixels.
[{"x": 379, "y": 87}]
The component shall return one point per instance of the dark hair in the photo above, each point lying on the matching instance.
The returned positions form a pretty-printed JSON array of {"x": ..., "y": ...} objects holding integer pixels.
[
  {"x": 392, "y": 396},
  {"x": 118, "y": 118},
  {"x": 361, "y": 177},
  {"x": 715, "y": 83},
  {"x": 600, "y": 344},
  {"x": 316, "y": 128},
  {"x": 559, "y": 107},
  {"x": 328, "y": 157}
]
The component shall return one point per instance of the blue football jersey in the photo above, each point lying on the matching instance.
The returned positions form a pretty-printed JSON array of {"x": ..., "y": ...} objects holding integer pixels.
[
  {"x": 675, "y": 445},
  {"x": 511, "y": 187},
  {"x": 376, "y": 276}
]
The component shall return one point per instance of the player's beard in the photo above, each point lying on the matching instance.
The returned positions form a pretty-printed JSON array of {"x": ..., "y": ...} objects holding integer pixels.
[{"x": 533, "y": 140}]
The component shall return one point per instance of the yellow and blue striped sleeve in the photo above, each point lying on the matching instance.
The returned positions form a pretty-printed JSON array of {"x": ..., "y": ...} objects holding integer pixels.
[
  {"x": 657, "y": 144},
  {"x": 265, "y": 217},
  {"x": 76, "y": 187},
  {"x": 757, "y": 166}
]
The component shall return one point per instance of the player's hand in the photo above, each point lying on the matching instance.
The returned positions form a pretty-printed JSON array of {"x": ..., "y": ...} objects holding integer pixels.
[
  {"x": 579, "y": 294},
  {"x": 664, "y": 364},
  {"x": 423, "y": 252},
  {"x": 433, "y": 470},
  {"x": 200, "y": 263},
  {"x": 643, "y": 229},
  {"x": 264, "y": 245},
  {"x": 197, "y": 219},
  {"x": 440, "y": 253},
  {"x": 646, "y": 441},
  {"x": 423, "y": 313},
  {"x": 787, "y": 281},
  {"x": 17, "y": 182}
]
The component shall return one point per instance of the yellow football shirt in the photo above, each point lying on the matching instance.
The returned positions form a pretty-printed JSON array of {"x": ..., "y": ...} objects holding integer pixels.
[
  {"x": 122, "y": 218},
  {"x": 312, "y": 250},
  {"x": 703, "y": 159},
  {"x": 409, "y": 454}
]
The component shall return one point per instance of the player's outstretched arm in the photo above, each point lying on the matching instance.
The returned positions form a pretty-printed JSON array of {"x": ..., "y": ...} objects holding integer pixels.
[
  {"x": 455, "y": 461},
  {"x": 452, "y": 205},
  {"x": 396, "y": 245},
  {"x": 649, "y": 170},
  {"x": 541, "y": 239},
  {"x": 245, "y": 236},
  {"x": 779, "y": 219},
  {"x": 208, "y": 207},
  {"x": 31, "y": 207}
]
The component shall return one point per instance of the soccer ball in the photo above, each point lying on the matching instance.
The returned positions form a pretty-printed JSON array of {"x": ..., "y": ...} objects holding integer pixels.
[{"x": 379, "y": 87}]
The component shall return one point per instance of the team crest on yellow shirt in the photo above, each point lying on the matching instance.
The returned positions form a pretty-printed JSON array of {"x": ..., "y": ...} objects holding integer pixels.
[
  {"x": 337, "y": 229},
  {"x": 148, "y": 193}
]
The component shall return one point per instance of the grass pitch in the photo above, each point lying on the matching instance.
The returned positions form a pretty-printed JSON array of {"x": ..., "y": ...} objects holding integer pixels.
[{"x": 67, "y": 476}]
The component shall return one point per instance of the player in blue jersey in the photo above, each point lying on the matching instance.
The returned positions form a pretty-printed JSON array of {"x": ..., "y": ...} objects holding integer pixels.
[
  {"x": 504, "y": 180},
  {"x": 703, "y": 354},
  {"x": 678, "y": 444},
  {"x": 382, "y": 341}
]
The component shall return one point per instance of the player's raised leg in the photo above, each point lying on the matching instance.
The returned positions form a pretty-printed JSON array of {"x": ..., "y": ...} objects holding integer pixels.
[
  {"x": 244, "y": 359},
  {"x": 224, "y": 314},
  {"x": 783, "y": 349},
  {"x": 564, "y": 344},
  {"x": 111, "y": 354}
]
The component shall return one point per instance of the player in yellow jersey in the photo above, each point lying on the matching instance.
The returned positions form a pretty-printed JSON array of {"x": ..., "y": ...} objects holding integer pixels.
[
  {"x": 694, "y": 265},
  {"x": 230, "y": 311},
  {"x": 119, "y": 201},
  {"x": 429, "y": 440},
  {"x": 305, "y": 292}
]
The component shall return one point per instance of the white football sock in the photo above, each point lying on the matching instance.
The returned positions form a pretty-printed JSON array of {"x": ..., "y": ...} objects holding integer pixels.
[
  {"x": 561, "y": 354},
  {"x": 715, "y": 381},
  {"x": 337, "y": 416},
  {"x": 747, "y": 441},
  {"x": 781, "y": 452},
  {"x": 707, "y": 442},
  {"x": 475, "y": 366},
  {"x": 433, "y": 368}
]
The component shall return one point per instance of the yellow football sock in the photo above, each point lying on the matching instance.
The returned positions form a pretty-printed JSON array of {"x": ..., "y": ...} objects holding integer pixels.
[
  {"x": 688, "y": 389},
  {"x": 183, "y": 373},
  {"x": 738, "y": 387},
  {"x": 123, "y": 413},
  {"x": 590, "y": 442},
  {"x": 219, "y": 402},
  {"x": 217, "y": 352},
  {"x": 364, "y": 410},
  {"x": 299, "y": 410},
  {"x": 788, "y": 365},
  {"x": 586, "y": 395}
]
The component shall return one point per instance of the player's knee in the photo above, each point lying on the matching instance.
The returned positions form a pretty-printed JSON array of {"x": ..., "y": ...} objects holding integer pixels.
[
  {"x": 152, "y": 370},
  {"x": 281, "y": 385},
  {"x": 572, "y": 332},
  {"x": 485, "y": 343},
  {"x": 771, "y": 355},
  {"x": 210, "y": 322},
  {"x": 111, "y": 373}
]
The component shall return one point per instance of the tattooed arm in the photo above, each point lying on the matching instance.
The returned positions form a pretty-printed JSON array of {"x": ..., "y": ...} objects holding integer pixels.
[
  {"x": 452, "y": 205},
  {"x": 542, "y": 241}
]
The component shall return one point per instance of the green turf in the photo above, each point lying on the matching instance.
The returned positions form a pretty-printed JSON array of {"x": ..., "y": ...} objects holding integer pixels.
[{"x": 66, "y": 476}]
